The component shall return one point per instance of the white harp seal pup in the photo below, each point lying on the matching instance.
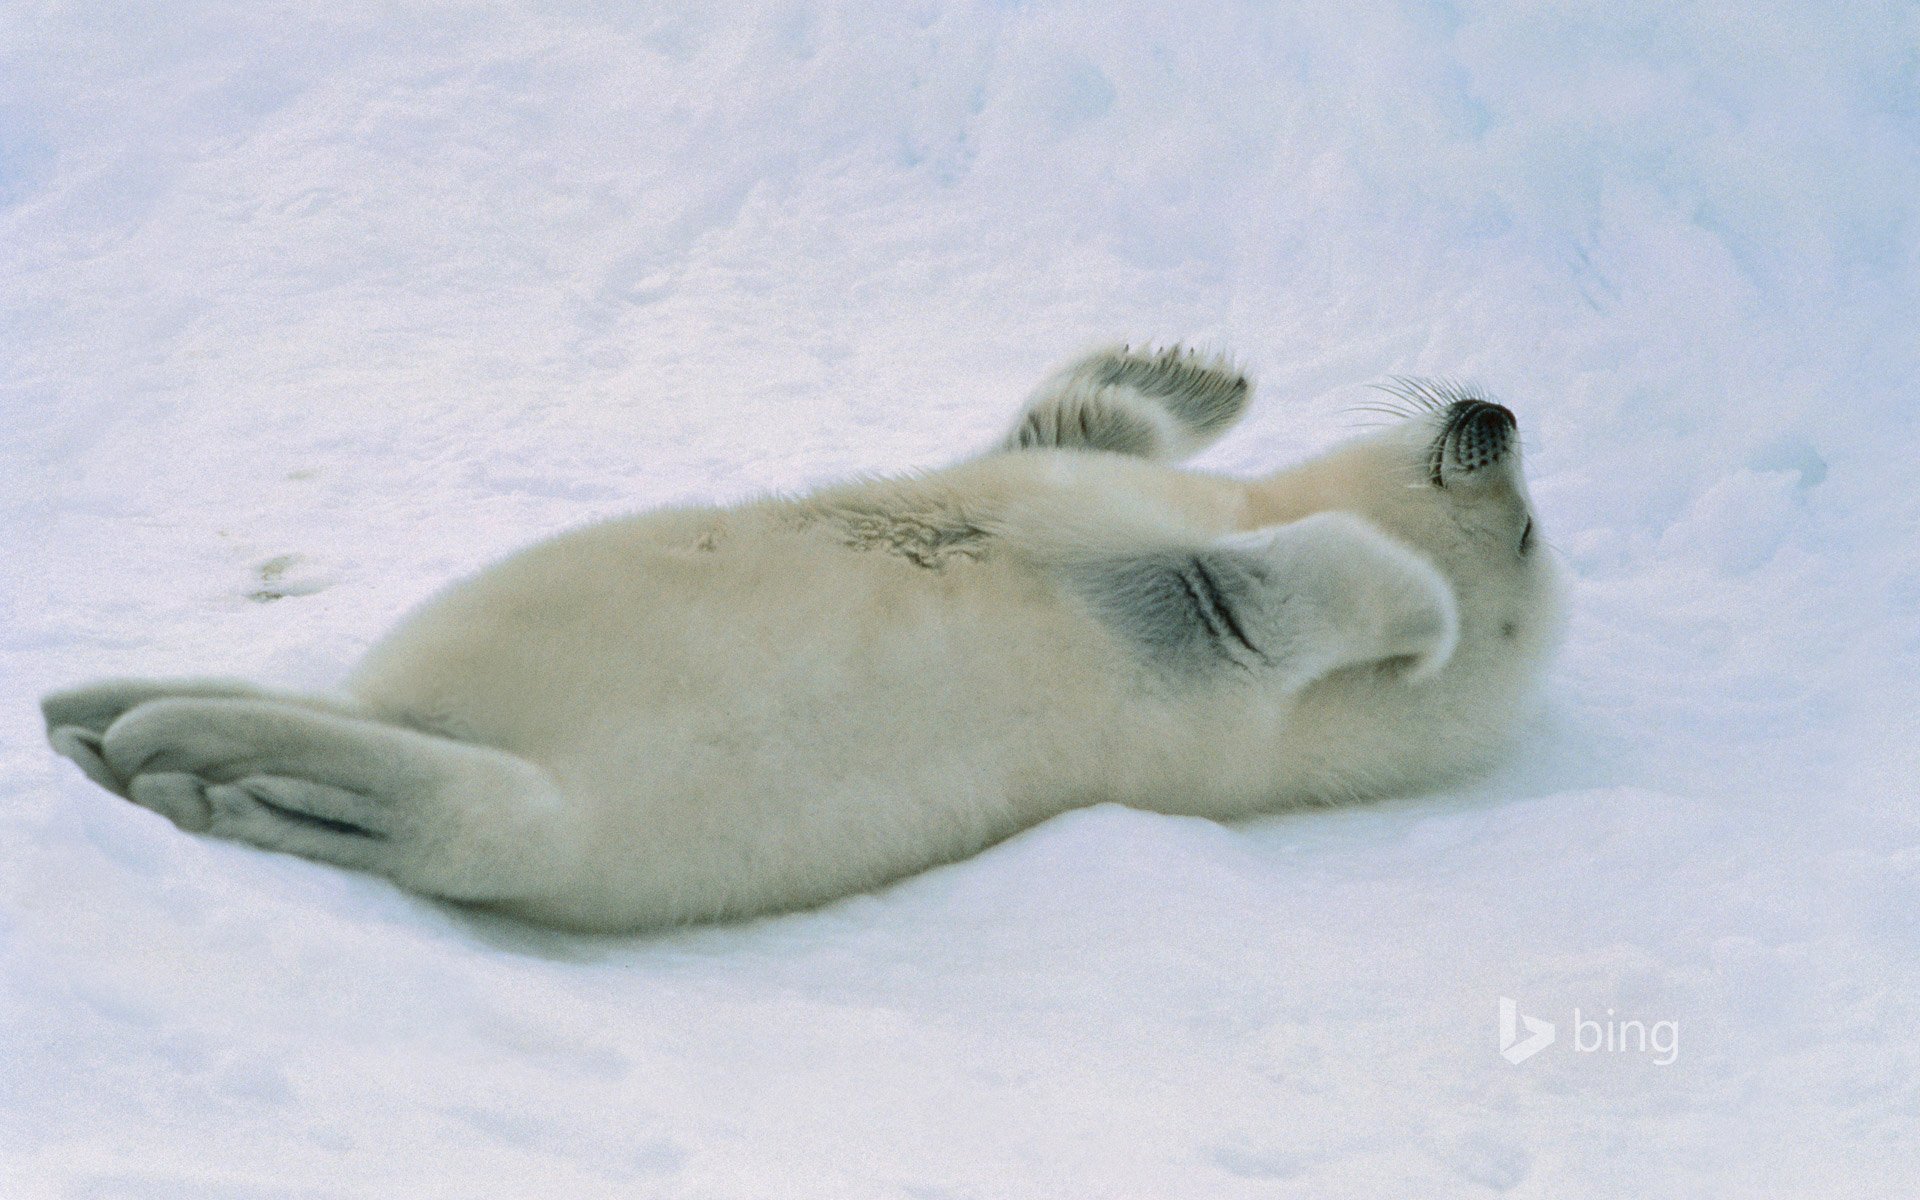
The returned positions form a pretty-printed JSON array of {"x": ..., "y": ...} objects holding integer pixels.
[{"x": 711, "y": 712}]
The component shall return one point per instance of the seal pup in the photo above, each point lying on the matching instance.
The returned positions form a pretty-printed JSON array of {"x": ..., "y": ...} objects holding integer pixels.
[{"x": 711, "y": 712}]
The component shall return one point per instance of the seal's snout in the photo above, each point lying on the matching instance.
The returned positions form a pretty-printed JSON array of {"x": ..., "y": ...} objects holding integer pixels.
[{"x": 1475, "y": 435}]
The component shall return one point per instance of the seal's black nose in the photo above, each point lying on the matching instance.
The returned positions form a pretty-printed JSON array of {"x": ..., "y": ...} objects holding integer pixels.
[{"x": 1476, "y": 435}]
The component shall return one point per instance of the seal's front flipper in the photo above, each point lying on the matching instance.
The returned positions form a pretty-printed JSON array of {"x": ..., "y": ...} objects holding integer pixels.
[
  {"x": 1290, "y": 602},
  {"x": 1164, "y": 405}
]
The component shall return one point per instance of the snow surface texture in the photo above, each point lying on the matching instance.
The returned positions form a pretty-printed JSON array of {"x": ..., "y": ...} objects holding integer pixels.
[{"x": 305, "y": 309}]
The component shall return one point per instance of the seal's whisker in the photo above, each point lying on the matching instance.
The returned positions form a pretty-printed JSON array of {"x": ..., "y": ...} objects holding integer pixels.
[
  {"x": 1388, "y": 410},
  {"x": 1432, "y": 394}
]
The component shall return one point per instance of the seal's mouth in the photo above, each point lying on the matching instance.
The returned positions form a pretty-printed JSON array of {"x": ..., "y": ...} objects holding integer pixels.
[{"x": 1474, "y": 435}]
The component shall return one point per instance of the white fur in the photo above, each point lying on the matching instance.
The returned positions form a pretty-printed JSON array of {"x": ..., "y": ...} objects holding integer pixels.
[{"x": 709, "y": 712}]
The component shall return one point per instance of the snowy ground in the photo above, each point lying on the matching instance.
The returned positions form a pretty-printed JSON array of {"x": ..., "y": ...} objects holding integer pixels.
[{"x": 304, "y": 309}]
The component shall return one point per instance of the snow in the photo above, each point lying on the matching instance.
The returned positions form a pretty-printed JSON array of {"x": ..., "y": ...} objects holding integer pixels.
[{"x": 305, "y": 309}]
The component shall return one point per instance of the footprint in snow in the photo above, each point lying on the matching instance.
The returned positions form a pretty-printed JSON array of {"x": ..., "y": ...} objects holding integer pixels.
[{"x": 286, "y": 575}]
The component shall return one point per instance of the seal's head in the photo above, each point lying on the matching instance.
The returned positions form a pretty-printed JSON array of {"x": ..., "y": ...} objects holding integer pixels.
[
  {"x": 1445, "y": 478},
  {"x": 1464, "y": 503}
]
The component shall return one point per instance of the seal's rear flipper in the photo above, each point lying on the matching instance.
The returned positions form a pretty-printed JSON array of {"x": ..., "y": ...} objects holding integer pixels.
[
  {"x": 448, "y": 818},
  {"x": 1163, "y": 405},
  {"x": 78, "y": 718}
]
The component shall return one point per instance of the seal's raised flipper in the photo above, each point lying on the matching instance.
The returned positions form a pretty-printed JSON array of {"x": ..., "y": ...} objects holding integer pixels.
[
  {"x": 1164, "y": 405},
  {"x": 1290, "y": 602},
  {"x": 448, "y": 818}
]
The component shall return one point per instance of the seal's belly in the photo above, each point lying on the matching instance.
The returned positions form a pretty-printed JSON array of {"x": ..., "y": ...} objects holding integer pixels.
[{"x": 759, "y": 646}]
